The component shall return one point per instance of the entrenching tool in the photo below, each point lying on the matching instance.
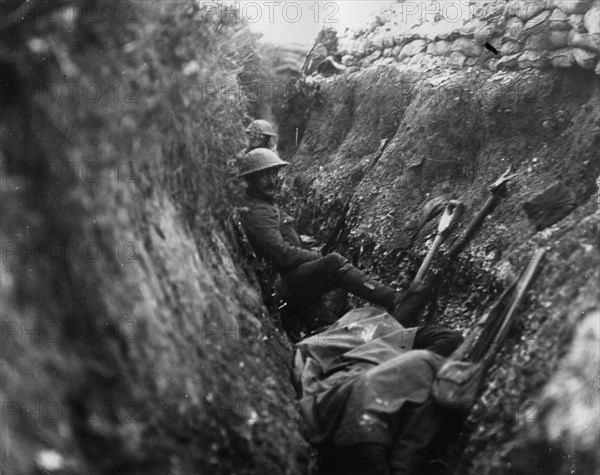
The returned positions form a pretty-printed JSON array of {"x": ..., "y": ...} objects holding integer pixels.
[
  {"x": 452, "y": 212},
  {"x": 459, "y": 379},
  {"x": 498, "y": 191}
]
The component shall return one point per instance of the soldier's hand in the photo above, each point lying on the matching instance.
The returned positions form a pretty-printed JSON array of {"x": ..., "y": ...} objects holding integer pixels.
[{"x": 422, "y": 289}]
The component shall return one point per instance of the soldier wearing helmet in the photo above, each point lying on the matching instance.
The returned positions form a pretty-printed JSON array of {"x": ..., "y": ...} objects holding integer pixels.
[
  {"x": 261, "y": 134},
  {"x": 306, "y": 274}
]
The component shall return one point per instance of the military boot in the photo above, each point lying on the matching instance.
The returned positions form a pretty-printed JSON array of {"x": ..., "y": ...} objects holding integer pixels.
[
  {"x": 358, "y": 283},
  {"x": 409, "y": 304},
  {"x": 370, "y": 459},
  {"x": 421, "y": 424}
]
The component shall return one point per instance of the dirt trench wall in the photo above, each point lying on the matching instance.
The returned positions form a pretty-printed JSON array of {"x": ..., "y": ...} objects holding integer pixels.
[
  {"x": 133, "y": 338},
  {"x": 450, "y": 134}
]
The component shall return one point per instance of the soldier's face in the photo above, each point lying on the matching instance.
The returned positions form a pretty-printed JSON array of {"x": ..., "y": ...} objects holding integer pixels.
[
  {"x": 258, "y": 141},
  {"x": 266, "y": 182}
]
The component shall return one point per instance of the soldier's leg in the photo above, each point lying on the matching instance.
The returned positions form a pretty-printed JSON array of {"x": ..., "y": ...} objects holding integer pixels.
[
  {"x": 418, "y": 430},
  {"x": 438, "y": 340},
  {"x": 371, "y": 459},
  {"x": 309, "y": 281},
  {"x": 362, "y": 459},
  {"x": 361, "y": 285}
]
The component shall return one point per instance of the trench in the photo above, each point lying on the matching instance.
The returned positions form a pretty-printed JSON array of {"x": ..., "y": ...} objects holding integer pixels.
[
  {"x": 374, "y": 218},
  {"x": 165, "y": 357}
]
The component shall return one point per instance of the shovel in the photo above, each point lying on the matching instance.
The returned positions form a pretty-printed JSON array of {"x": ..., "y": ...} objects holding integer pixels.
[
  {"x": 453, "y": 210},
  {"x": 497, "y": 191}
]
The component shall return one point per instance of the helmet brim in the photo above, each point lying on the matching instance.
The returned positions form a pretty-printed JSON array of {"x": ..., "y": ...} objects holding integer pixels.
[{"x": 261, "y": 169}]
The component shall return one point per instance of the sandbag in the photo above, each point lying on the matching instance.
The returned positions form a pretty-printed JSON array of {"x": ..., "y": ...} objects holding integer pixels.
[
  {"x": 456, "y": 60},
  {"x": 412, "y": 48},
  {"x": 524, "y": 10},
  {"x": 558, "y": 39},
  {"x": 572, "y": 6},
  {"x": 508, "y": 62},
  {"x": 467, "y": 47},
  {"x": 533, "y": 59},
  {"x": 559, "y": 20},
  {"x": 591, "y": 20},
  {"x": 589, "y": 41},
  {"x": 469, "y": 28},
  {"x": 439, "y": 48},
  {"x": 562, "y": 58},
  {"x": 538, "y": 22},
  {"x": 419, "y": 60},
  {"x": 537, "y": 42},
  {"x": 388, "y": 40},
  {"x": 483, "y": 34},
  {"x": 510, "y": 47},
  {"x": 584, "y": 58},
  {"x": 576, "y": 23},
  {"x": 513, "y": 29},
  {"x": 374, "y": 56}
]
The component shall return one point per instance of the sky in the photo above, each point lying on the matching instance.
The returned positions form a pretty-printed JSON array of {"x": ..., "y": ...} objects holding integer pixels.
[{"x": 298, "y": 22}]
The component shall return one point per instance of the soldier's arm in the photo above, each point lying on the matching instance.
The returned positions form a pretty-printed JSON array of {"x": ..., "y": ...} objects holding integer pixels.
[{"x": 262, "y": 227}]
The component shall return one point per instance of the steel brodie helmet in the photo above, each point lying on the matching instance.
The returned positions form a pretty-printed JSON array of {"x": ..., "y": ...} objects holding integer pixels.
[
  {"x": 261, "y": 127},
  {"x": 258, "y": 160}
]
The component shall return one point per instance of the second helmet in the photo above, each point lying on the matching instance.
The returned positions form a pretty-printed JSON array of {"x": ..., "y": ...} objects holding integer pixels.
[{"x": 261, "y": 127}]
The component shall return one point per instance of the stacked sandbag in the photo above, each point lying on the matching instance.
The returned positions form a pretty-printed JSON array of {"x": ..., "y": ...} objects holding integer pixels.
[{"x": 525, "y": 34}]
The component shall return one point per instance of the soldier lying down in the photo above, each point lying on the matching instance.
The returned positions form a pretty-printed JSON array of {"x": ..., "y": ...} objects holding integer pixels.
[{"x": 365, "y": 391}]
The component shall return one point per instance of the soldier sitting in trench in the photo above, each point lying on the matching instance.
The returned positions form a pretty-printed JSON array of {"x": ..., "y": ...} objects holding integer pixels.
[
  {"x": 365, "y": 381},
  {"x": 305, "y": 274}
]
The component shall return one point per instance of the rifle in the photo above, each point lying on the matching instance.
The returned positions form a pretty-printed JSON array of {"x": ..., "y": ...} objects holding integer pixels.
[
  {"x": 459, "y": 379},
  {"x": 339, "y": 225}
]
